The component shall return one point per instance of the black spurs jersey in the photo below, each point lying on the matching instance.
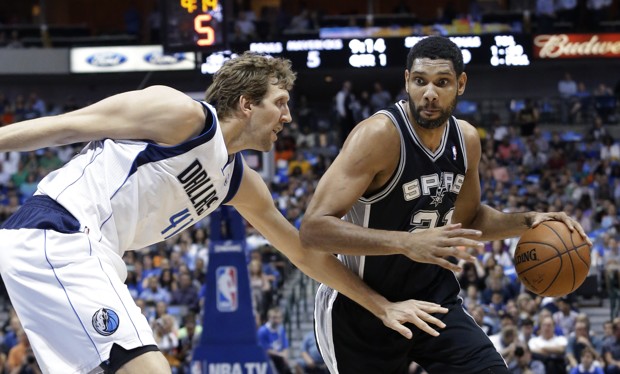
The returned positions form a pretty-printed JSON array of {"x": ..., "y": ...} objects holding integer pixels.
[{"x": 420, "y": 195}]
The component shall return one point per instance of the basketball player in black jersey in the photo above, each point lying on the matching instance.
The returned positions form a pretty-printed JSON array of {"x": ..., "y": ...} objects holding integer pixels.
[{"x": 407, "y": 183}]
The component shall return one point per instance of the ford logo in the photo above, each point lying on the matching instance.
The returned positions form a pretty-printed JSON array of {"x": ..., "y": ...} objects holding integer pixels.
[
  {"x": 158, "y": 58},
  {"x": 106, "y": 59}
]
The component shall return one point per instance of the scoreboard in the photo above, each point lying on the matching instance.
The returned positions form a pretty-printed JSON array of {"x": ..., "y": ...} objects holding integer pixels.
[
  {"x": 200, "y": 26},
  {"x": 193, "y": 25},
  {"x": 365, "y": 53}
]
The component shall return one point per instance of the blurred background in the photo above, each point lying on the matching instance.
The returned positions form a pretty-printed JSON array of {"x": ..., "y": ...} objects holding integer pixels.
[{"x": 543, "y": 91}]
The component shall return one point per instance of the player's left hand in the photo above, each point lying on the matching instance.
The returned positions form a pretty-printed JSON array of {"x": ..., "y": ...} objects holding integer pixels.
[
  {"x": 416, "y": 312},
  {"x": 563, "y": 217}
]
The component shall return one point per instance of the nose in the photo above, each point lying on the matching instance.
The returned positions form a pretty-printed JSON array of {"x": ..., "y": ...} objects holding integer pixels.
[
  {"x": 430, "y": 94},
  {"x": 286, "y": 115}
]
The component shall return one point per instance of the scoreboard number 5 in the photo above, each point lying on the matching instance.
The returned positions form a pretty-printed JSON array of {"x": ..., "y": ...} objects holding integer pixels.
[{"x": 204, "y": 30}]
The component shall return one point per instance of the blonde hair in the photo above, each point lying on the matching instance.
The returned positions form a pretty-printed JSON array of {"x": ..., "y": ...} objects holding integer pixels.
[{"x": 247, "y": 75}]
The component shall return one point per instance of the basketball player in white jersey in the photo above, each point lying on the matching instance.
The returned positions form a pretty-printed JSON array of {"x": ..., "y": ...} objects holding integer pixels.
[{"x": 156, "y": 163}]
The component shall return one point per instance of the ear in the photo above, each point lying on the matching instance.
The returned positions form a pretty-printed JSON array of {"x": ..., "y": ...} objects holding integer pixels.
[
  {"x": 462, "y": 83},
  {"x": 245, "y": 106},
  {"x": 407, "y": 80}
]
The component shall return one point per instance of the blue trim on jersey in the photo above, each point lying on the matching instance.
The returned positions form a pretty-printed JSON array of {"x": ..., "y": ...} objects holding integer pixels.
[
  {"x": 42, "y": 212},
  {"x": 66, "y": 294},
  {"x": 235, "y": 180},
  {"x": 155, "y": 152}
]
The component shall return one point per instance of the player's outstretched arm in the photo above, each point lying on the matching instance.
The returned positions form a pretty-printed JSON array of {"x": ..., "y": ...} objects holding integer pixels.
[
  {"x": 494, "y": 224},
  {"x": 156, "y": 113},
  {"x": 255, "y": 204},
  {"x": 360, "y": 167}
]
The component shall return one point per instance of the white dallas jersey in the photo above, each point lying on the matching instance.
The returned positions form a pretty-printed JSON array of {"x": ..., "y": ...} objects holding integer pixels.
[{"x": 131, "y": 194}]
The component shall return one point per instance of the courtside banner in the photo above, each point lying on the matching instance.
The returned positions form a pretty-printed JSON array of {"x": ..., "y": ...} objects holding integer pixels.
[
  {"x": 576, "y": 46},
  {"x": 128, "y": 58}
]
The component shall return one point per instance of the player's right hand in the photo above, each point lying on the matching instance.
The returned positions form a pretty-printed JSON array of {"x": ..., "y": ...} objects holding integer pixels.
[
  {"x": 416, "y": 312},
  {"x": 434, "y": 246}
]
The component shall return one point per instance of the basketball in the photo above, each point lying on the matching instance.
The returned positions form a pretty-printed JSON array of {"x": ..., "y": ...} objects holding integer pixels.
[{"x": 550, "y": 260}]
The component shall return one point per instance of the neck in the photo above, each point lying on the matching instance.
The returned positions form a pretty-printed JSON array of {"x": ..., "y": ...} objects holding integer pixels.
[
  {"x": 232, "y": 131},
  {"x": 431, "y": 138}
]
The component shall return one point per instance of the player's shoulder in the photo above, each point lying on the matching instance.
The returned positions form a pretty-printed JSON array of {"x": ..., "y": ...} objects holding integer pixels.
[
  {"x": 159, "y": 89},
  {"x": 378, "y": 127},
  {"x": 469, "y": 131}
]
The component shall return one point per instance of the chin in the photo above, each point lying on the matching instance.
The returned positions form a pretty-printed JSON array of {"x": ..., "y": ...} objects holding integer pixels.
[{"x": 265, "y": 147}]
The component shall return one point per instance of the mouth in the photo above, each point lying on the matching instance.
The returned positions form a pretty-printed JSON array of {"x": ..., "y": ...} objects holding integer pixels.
[{"x": 429, "y": 111}]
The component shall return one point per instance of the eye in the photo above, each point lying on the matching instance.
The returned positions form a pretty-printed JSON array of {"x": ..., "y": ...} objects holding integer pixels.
[
  {"x": 418, "y": 81},
  {"x": 442, "y": 82}
]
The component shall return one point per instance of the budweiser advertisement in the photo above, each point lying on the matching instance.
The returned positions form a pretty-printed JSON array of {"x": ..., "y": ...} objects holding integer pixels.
[{"x": 577, "y": 46}]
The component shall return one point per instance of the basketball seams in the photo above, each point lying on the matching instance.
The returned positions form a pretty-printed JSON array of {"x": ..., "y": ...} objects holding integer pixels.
[
  {"x": 576, "y": 249},
  {"x": 555, "y": 239}
]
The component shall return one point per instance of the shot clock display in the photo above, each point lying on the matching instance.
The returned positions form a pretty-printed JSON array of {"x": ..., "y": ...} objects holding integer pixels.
[{"x": 193, "y": 25}]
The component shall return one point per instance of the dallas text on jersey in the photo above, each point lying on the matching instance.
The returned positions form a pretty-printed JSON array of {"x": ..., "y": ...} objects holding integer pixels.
[{"x": 198, "y": 186}]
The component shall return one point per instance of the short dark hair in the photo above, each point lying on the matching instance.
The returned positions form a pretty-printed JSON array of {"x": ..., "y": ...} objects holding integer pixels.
[{"x": 437, "y": 48}]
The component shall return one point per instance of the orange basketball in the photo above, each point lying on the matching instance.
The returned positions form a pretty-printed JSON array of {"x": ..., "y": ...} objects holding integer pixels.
[{"x": 550, "y": 260}]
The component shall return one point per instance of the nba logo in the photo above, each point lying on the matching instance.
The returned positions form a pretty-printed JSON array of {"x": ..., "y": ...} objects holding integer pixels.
[{"x": 227, "y": 291}]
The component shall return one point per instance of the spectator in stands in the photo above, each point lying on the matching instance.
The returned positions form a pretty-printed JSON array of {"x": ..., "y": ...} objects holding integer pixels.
[
  {"x": 29, "y": 187},
  {"x": 10, "y": 338},
  {"x": 154, "y": 292},
  {"x": 189, "y": 336},
  {"x": 167, "y": 280},
  {"x": 344, "y": 103},
  {"x": 260, "y": 288},
  {"x": 505, "y": 343},
  {"x": 611, "y": 276},
  {"x": 272, "y": 337},
  {"x": 604, "y": 101},
  {"x": 37, "y": 104},
  {"x": 380, "y": 98},
  {"x": 148, "y": 268},
  {"x": 588, "y": 364},
  {"x": 311, "y": 361},
  {"x": 186, "y": 251},
  {"x": 133, "y": 284},
  {"x": 186, "y": 293},
  {"x": 527, "y": 118},
  {"x": 608, "y": 332},
  {"x": 472, "y": 275},
  {"x": 581, "y": 104},
  {"x": 299, "y": 166},
  {"x": 49, "y": 161},
  {"x": 548, "y": 347},
  {"x": 565, "y": 317},
  {"x": 18, "y": 354},
  {"x": 485, "y": 322},
  {"x": 526, "y": 330},
  {"x": 166, "y": 338},
  {"x": 525, "y": 363},
  {"x": 578, "y": 341},
  {"x": 611, "y": 351}
]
